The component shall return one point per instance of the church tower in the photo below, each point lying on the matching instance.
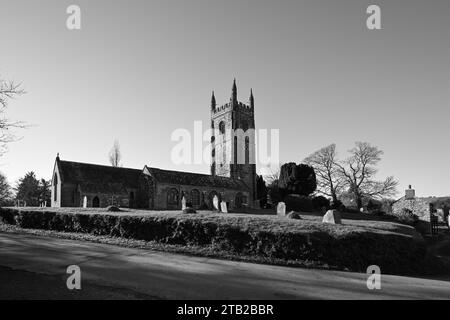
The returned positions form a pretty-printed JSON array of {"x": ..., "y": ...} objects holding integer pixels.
[{"x": 233, "y": 140}]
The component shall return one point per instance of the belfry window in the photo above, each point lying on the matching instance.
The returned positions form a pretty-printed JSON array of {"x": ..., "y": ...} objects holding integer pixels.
[
  {"x": 222, "y": 127},
  {"x": 247, "y": 151}
]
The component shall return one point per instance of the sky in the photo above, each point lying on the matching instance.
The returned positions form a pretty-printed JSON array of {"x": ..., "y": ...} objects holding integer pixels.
[{"x": 138, "y": 70}]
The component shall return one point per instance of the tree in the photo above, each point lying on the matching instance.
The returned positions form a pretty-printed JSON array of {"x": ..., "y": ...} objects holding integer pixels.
[
  {"x": 329, "y": 179},
  {"x": 261, "y": 190},
  {"x": 359, "y": 172},
  {"x": 297, "y": 179},
  {"x": 28, "y": 190},
  {"x": 44, "y": 193},
  {"x": 5, "y": 191},
  {"x": 272, "y": 175},
  {"x": 115, "y": 155},
  {"x": 8, "y": 90}
]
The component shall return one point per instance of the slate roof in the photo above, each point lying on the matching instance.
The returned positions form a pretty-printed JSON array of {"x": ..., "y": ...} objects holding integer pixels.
[
  {"x": 97, "y": 178},
  {"x": 195, "y": 179},
  {"x": 93, "y": 178}
]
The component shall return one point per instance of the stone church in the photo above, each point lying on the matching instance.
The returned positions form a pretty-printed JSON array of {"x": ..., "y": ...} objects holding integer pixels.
[{"x": 76, "y": 184}]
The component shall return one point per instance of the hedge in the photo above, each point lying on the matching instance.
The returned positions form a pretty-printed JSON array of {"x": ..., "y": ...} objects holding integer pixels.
[{"x": 346, "y": 247}]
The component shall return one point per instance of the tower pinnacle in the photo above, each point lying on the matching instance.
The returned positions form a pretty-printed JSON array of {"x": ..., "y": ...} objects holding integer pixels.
[
  {"x": 234, "y": 92},
  {"x": 213, "y": 101}
]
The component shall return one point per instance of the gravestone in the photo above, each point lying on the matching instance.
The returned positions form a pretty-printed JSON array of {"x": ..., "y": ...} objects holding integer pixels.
[
  {"x": 85, "y": 202},
  {"x": 281, "y": 209},
  {"x": 223, "y": 207},
  {"x": 294, "y": 215},
  {"x": 332, "y": 216},
  {"x": 216, "y": 203},
  {"x": 183, "y": 203}
]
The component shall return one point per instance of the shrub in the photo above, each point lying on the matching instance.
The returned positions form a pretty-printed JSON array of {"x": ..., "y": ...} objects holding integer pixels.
[
  {"x": 407, "y": 216},
  {"x": 296, "y": 202},
  {"x": 320, "y": 202}
]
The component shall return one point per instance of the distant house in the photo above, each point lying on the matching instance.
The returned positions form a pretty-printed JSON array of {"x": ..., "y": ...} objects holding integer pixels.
[{"x": 420, "y": 206}]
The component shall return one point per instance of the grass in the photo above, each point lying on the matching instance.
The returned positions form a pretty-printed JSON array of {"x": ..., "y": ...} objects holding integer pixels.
[{"x": 354, "y": 245}]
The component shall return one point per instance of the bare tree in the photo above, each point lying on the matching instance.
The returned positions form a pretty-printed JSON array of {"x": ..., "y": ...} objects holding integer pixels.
[
  {"x": 8, "y": 90},
  {"x": 272, "y": 176},
  {"x": 115, "y": 155},
  {"x": 329, "y": 180},
  {"x": 359, "y": 171}
]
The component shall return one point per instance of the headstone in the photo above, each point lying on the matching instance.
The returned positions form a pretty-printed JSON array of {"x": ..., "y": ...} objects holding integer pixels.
[
  {"x": 189, "y": 210},
  {"x": 223, "y": 207},
  {"x": 183, "y": 203},
  {"x": 281, "y": 209},
  {"x": 332, "y": 216},
  {"x": 294, "y": 215},
  {"x": 440, "y": 214},
  {"x": 216, "y": 203},
  {"x": 85, "y": 202}
]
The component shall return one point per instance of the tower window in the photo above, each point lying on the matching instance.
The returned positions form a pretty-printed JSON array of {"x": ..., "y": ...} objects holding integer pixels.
[
  {"x": 222, "y": 127},
  {"x": 247, "y": 151}
]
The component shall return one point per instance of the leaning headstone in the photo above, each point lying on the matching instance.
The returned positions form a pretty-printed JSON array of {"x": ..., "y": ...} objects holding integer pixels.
[
  {"x": 85, "y": 202},
  {"x": 189, "y": 210},
  {"x": 223, "y": 207},
  {"x": 216, "y": 203},
  {"x": 281, "y": 209},
  {"x": 183, "y": 203},
  {"x": 294, "y": 215},
  {"x": 332, "y": 216}
]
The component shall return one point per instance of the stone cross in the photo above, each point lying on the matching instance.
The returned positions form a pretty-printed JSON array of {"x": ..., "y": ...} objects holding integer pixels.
[
  {"x": 281, "y": 209},
  {"x": 223, "y": 207}
]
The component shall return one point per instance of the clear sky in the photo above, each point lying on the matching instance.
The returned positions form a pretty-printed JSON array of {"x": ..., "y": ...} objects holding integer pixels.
[{"x": 138, "y": 70}]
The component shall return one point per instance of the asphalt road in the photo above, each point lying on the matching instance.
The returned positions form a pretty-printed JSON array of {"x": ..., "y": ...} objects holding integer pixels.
[{"x": 34, "y": 267}]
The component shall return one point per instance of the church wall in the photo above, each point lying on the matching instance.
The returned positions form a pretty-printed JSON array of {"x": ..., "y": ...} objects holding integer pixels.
[
  {"x": 67, "y": 195},
  {"x": 162, "y": 189},
  {"x": 108, "y": 199}
]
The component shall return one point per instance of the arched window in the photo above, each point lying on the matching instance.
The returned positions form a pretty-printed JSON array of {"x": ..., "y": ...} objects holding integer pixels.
[
  {"x": 222, "y": 127},
  {"x": 247, "y": 151},
  {"x": 195, "y": 197},
  {"x": 55, "y": 188},
  {"x": 172, "y": 197},
  {"x": 96, "y": 202}
]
